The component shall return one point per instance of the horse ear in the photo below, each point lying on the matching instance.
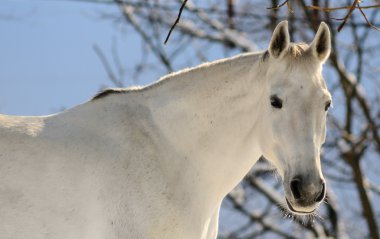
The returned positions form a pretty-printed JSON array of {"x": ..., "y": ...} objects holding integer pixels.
[
  {"x": 280, "y": 40},
  {"x": 321, "y": 45}
]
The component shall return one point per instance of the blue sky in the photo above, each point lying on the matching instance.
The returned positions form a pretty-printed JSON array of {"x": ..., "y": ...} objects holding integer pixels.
[{"x": 47, "y": 60}]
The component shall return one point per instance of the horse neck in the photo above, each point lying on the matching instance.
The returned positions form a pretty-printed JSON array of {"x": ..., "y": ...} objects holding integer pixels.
[{"x": 209, "y": 118}]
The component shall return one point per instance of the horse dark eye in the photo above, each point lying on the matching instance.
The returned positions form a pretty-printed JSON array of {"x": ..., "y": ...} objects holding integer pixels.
[
  {"x": 327, "y": 106},
  {"x": 276, "y": 102}
]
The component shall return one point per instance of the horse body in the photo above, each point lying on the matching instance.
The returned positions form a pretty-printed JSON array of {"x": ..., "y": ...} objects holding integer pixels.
[
  {"x": 154, "y": 162},
  {"x": 143, "y": 164}
]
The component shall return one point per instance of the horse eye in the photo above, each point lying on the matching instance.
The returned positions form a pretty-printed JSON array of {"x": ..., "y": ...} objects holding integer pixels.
[
  {"x": 328, "y": 105},
  {"x": 276, "y": 102}
]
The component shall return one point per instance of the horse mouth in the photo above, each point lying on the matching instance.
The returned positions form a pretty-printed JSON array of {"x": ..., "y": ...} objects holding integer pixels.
[{"x": 291, "y": 208}]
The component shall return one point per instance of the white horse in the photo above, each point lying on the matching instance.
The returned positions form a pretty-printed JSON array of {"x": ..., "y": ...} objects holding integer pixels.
[{"x": 156, "y": 162}]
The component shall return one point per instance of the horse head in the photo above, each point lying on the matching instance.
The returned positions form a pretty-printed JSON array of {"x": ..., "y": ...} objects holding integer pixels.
[{"x": 295, "y": 103}]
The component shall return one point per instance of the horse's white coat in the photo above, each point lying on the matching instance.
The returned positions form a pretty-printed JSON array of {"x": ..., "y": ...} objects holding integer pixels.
[{"x": 156, "y": 162}]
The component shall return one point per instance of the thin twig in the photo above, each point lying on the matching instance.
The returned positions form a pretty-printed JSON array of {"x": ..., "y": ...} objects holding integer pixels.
[
  {"x": 107, "y": 67},
  {"x": 331, "y": 9},
  {"x": 176, "y": 21},
  {"x": 366, "y": 19},
  {"x": 230, "y": 14},
  {"x": 130, "y": 17},
  {"x": 278, "y": 6},
  {"x": 348, "y": 15},
  {"x": 254, "y": 217}
]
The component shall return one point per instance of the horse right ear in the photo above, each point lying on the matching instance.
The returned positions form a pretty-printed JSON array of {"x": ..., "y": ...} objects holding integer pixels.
[{"x": 280, "y": 40}]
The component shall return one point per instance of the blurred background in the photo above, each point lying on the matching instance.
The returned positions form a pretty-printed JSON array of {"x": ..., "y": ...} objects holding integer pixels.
[{"x": 55, "y": 54}]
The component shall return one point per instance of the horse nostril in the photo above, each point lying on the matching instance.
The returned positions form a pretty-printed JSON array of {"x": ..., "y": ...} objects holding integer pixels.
[
  {"x": 295, "y": 188},
  {"x": 321, "y": 196}
]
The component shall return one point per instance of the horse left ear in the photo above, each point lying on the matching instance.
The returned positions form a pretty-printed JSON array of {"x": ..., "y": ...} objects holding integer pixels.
[{"x": 321, "y": 45}]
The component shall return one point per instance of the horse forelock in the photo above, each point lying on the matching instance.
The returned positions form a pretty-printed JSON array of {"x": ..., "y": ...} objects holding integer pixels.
[{"x": 295, "y": 51}]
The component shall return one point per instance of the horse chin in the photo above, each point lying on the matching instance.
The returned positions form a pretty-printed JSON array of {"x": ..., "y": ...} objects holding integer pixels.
[{"x": 302, "y": 211}]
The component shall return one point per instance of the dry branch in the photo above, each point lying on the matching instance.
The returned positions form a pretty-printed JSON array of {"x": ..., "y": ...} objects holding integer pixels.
[
  {"x": 345, "y": 19},
  {"x": 332, "y": 9},
  {"x": 366, "y": 19},
  {"x": 176, "y": 21},
  {"x": 111, "y": 75},
  {"x": 279, "y": 6},
  {"x": 257, "y": 218}
]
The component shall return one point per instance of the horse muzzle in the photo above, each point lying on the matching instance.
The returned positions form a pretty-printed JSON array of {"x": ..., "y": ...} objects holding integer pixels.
[{"x": 303, "y": 196}]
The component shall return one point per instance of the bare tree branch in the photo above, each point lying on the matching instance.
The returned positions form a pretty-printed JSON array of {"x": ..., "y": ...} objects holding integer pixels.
[
  {"x": 176, "y": 21},
  {"x": 257, "y": 218},
  {"x": 117, "y": 82},
  {"x": 331, "y": 9},
  {"x": 128, "y": 14},
  {"x": 366, "y": 19}
]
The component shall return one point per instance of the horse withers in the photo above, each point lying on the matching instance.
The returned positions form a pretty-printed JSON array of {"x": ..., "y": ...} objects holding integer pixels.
[{"x": 157, "y": 161}]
